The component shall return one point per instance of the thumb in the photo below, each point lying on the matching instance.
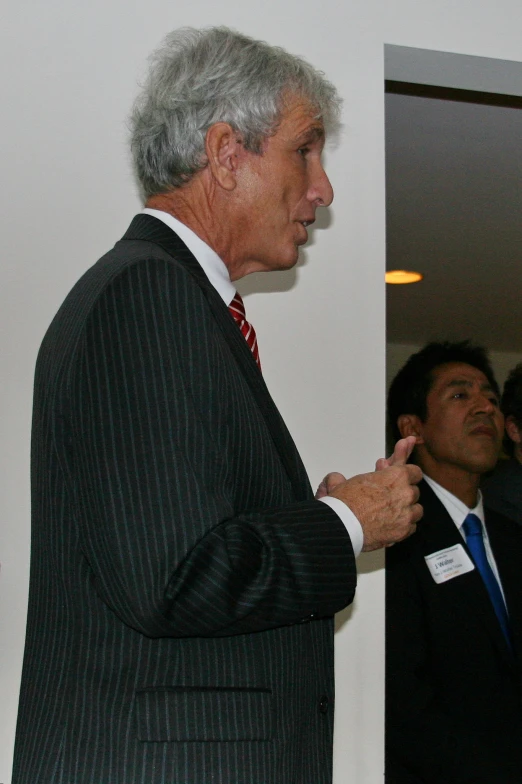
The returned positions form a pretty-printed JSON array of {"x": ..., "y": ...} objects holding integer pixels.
[{"x": 403, "y": 449}]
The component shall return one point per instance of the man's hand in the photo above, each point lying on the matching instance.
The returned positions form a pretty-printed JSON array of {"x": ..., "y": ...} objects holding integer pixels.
[{"x": 385, "y": 501}]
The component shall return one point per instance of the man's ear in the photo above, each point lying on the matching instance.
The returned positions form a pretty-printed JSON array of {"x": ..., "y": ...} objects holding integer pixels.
[
  {"x": 223, "y": 145},
  {"x": 410, "y": 425},
  {"x": 513, "y": 430}
]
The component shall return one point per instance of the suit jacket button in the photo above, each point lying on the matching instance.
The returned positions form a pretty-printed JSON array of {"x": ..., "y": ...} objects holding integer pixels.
[{"x": 323, "y": 704}]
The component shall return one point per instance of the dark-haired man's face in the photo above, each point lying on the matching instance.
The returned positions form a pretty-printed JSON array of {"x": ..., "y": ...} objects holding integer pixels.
[{"x": 464, "y": 425}]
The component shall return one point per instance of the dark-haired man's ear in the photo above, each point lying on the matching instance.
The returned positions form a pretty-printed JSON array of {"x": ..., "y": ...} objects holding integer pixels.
[
  {"x": 223, "y": 146},
  {"x": 513, "y": 430},
  {"x": 410, "y": 425}
]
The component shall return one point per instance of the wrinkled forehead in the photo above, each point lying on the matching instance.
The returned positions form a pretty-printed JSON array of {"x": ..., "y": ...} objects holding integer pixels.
[
  {"x": 299, "y": 116},
  {"x": 458, "y": 374}
]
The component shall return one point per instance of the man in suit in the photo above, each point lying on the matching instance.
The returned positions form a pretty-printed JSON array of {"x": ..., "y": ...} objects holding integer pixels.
[
  {"x": 503, "y": 489},
  {"x": 453, "y": 590},
  {"x": 184, "y": 577}
]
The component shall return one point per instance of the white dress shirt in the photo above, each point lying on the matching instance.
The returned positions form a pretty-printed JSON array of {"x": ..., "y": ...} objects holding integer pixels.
[
  {"x": 217, "y": 273},
  {"x": 458, "y": 511}
]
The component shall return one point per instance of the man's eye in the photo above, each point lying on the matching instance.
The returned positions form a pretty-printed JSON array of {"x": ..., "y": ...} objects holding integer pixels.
[{"x": 303, "y": 151}]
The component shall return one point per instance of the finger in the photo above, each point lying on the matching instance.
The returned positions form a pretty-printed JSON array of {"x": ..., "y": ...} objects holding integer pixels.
[
  {"x": 333, "y": 479},
  {"x": 382, "y": 463},
  {"x": 321, "y": 490},
  {"x": 329, "y": 483},
  {"x": 418, "y": 512},
  {"x": 414, "y": 473},
  {"x": 403, "y": 449}
]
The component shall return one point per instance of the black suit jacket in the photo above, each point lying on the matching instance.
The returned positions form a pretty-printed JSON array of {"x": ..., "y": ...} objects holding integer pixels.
[
  {"x": 503, "y": 489},
  {"x": 453, "y": 697},
  {"x": 183, "y": 578}
]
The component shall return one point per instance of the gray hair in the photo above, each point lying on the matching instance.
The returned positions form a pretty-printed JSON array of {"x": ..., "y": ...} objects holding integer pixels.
[{"x": 200, "y": 77}]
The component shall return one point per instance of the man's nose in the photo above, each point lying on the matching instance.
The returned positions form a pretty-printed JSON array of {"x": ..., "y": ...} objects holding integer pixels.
[
  {"x": 320, "y": 191},
  {"x": 485, "y": 403}
]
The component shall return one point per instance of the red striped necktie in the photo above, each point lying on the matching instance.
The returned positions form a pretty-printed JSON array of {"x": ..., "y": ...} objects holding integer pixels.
[{"x": 237, "y": 310}]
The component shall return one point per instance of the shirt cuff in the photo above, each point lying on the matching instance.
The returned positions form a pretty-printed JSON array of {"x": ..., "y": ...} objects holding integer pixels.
[{"x": 349, "y": 520}]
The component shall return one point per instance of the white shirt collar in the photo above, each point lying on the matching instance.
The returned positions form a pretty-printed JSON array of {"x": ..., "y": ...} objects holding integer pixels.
[
  {"x": 213, "y": 267},
  {"x": 457, "y": 510}
]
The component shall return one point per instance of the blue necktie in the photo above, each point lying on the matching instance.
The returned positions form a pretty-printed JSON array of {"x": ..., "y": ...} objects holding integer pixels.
[{"x": 473, "y": 529}]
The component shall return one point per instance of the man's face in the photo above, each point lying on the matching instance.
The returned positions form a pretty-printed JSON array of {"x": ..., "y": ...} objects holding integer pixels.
[
  {"x": 464, "y": 425},
  {"x": 278, "y": 193}
]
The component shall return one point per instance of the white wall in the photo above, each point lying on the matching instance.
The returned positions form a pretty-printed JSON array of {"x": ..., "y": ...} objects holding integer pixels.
[{"x": 69, "y": 74}]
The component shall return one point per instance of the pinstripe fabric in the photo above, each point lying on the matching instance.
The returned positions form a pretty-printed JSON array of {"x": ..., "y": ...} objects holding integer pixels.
[{"x": 183, "y": 578}]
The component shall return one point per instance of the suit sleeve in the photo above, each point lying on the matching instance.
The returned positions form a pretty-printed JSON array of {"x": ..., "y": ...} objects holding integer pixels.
[{"x": 168, "y": 551}]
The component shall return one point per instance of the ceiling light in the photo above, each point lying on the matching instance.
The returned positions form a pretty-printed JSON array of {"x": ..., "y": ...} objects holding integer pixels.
[{"x": 402, "y": 276}]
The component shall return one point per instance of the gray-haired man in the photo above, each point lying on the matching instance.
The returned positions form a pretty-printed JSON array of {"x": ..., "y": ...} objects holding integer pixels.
[{"x": 184, "y": 578}]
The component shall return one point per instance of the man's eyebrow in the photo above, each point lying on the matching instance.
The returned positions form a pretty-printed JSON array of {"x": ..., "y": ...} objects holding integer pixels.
[
  {"x": 459, "y": 382},
  {"x": 314, "y": 134},
  {"x": 463, "y": 382}
]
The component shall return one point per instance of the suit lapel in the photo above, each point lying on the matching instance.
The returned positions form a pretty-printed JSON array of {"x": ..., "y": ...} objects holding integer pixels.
[
  {"x": 150, "y": 229},
  {"x": 465, "y": 593}
]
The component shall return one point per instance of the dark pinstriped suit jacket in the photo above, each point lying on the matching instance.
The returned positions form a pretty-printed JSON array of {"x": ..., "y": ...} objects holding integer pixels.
[{"x": 183, "y": 578}]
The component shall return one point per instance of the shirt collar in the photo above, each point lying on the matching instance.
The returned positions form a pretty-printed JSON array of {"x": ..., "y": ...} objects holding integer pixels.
[
  {"x": 457, "y": 510},
  {"x": 214, "y": 268}
]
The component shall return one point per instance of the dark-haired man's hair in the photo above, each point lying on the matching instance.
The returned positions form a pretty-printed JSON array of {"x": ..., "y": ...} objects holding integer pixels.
[
  {"x": 511, "y": 403},
  {"x": 409, "y": 390}
]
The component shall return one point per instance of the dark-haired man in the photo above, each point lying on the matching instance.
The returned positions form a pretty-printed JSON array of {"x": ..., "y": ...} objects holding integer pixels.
[
  {"x": 503, "y": 490},
  {"x": 454, "y": 599}
]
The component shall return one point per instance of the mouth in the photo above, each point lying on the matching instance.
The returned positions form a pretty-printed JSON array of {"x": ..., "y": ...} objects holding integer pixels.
[
  {"x": 484, "y": 430},
  {"x": 304, "y": 237}
]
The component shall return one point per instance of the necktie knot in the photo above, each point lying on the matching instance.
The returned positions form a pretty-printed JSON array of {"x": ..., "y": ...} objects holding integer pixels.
[
  {"x": 472, "y": 525},
  {"x": 237, "y": 311}
]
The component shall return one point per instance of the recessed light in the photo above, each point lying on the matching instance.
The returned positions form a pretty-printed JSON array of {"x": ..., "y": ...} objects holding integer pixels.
[{"x": 402, "y": 276}]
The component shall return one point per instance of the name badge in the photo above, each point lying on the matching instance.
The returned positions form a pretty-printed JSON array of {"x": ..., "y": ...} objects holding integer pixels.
[{"x": 451, "y": 562}]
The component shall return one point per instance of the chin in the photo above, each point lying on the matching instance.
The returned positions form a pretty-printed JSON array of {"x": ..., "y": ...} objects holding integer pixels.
[
  {"x": 286, "y": 263},
  {"x": 486, "y": 465}
]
